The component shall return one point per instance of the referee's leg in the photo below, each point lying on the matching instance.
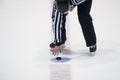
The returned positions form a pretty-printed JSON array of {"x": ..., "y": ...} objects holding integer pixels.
[{"x": 85, "y": 20}]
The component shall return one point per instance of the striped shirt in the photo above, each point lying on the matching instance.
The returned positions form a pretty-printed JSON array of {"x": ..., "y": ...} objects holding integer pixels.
[{"x": 77, "y": 2}]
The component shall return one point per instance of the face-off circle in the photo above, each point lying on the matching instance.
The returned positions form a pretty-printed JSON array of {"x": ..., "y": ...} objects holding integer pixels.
[{"x": 60, "y": 59}]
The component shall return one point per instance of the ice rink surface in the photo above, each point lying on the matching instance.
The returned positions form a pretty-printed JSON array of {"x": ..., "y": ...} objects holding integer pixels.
[{"x": 25, "y": 34}]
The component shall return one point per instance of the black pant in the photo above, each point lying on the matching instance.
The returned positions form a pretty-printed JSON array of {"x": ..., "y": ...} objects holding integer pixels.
[{"x": 85, "y": 20}]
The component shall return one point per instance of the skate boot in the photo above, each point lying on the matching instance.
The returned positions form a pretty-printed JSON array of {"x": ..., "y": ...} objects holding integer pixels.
[
  {"x": 53, "y": 44},
  {"x": 62, "y": 5},
  {"x": 93, "y": 49}
]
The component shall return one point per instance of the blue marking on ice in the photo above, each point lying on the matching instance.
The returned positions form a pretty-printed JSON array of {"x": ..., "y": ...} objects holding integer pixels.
[{"x": 63, "y": 59}]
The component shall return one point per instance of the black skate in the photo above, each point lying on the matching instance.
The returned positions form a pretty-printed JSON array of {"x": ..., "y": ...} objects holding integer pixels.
[
  {"x": 92, "y": 50},
  {"x": 52, "y": 45},
  {"x": 62, "y": 5}
]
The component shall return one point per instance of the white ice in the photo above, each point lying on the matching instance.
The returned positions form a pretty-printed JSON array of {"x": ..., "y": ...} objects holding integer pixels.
[{"x": 25, "y": 34}]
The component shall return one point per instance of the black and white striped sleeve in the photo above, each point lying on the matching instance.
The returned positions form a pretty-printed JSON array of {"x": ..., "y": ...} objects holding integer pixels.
[{"x": 77, "y": 2}]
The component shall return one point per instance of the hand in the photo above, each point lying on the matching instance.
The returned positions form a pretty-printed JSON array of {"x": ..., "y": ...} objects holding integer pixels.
[{"x": 56, "y": 50}]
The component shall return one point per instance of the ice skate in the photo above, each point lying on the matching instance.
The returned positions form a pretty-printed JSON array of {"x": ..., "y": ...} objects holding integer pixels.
[{"x": 92, "y": 50}]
